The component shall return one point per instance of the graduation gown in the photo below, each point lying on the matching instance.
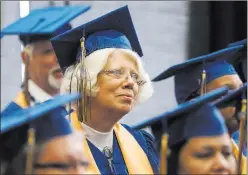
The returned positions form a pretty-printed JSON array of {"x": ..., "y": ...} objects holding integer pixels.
[
  {"x": 133, "y": 152},
  {"x": 18, "y": 103},
  {"x": 118, "y": 163},
  {"x": 37, "y": 95}
]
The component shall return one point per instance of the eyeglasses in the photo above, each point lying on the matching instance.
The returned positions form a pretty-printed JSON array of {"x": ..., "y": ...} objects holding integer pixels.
[{"x": 119, "y": 74}]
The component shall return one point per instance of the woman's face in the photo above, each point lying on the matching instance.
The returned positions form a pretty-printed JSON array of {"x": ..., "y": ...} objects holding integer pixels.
[
  {"x": 63, "y": 155},
  {"x": 117, "y": 82},
  {"x": 233, "y": 82},
  {"x": 207, "y": 155}
]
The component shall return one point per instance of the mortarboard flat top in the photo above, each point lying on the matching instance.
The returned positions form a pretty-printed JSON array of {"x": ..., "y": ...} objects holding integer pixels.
[
  {"x": 192, "y": 63},
  {"x": 240, "y": 63},
  {"x": 188, "y": 75},
  {"x": 48, "y": 119},
  {"x": 113, "y": 30},
  {"x": 231, "y": 97},
  {"x": 24, "y": 116},
  {"x": 202, "y": 121},
  {"x": 185, "y": 107},
  {"x": 241, "y": 42},
  {"x": 45, "y": 22}
]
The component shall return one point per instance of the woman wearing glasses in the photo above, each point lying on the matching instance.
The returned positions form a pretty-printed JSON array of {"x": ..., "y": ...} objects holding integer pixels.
[{"x": 107, "y": 69}]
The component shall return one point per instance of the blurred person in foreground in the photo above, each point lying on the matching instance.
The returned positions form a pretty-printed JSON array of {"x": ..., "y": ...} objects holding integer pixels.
[{"x": 40, "y": 140}]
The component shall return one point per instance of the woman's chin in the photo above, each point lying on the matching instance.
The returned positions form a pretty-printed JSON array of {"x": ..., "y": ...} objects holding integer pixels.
[{"x": 124, "y": 108}]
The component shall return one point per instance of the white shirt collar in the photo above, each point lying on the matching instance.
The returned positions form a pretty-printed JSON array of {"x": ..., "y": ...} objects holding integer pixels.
[
  {"x": 99, "y": 139},
  {"x": 39, "y": 94}
]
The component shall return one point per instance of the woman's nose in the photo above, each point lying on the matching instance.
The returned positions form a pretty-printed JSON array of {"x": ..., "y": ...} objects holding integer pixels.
[
  {"x": 128, "y": 82},
  {"x": 220, "y": 163}
]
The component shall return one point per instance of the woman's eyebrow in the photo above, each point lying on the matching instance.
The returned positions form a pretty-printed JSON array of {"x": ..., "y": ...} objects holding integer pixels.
[
  {"x": 58, "y": 165},
  {"x": 226, "y": 147},
  {"x": 134, "y": 71},
  {"x": 208, "y": 148}
]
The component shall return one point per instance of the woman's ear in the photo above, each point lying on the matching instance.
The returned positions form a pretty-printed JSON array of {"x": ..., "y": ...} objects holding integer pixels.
[{"x": 25, "y": 57}]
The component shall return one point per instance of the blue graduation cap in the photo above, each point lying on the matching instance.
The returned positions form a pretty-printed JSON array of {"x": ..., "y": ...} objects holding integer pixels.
[
  {"x": 232, "y": 98},
  {"x": 241, "y": 42},
  {"x": 240, "y": 63},
  {"x": 201, "y": 121},
  {"x": 112, "y": 30},
  {"x": 188, "y": 75},
  {"x": 42, "y": 24},
  {"x": 47, "y": 118},
  {"x": 185, "y": 107}
]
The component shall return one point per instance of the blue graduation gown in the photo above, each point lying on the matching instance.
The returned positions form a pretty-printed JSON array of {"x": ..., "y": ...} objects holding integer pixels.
[
  {"x": 119, "y": 167},
  {"x": 12, "y": 106}
]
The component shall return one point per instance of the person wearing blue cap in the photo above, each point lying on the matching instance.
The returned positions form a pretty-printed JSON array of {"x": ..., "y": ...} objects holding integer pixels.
[
  {"x": 199, "y": 143},
  {"x": 42, "y": 73},
  {"x": 40, "y": 140},
  {"x": 206, "y": 73},
  {"x": 102, "y": 60},
  {"x": 202, "y": 74}
]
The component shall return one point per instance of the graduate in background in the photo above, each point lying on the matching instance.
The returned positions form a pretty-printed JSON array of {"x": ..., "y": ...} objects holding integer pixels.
[
  {"x": 198, "y": 142},
  {"x": 203, "y": 74},
  {"x": 42, "y": 73},
  {"x": 39, "y": 140},
  {"x": 102, "y": 60}
]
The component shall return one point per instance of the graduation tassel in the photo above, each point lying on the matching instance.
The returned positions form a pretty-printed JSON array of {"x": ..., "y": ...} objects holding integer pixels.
[
  {"x": 31, "y": 130},
  {"x": 70, "y": 104},
  {"x": 203, "y": 82},
  {"x": 30, "y": 151},
  {"x": 242, "y": 117},
  {"x": 163, "y": 154},
  {"x": 84, "y": 102},
  {"x": 26, "y": 78}
]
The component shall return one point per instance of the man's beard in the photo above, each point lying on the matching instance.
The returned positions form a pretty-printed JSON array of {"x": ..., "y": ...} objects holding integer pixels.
[{"x": 54, "y": 82}]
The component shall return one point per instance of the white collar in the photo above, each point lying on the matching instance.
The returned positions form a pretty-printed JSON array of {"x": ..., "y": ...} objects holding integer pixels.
[
  {"x": 39, "y": 94},
  {"x": 99, "y": 139}
]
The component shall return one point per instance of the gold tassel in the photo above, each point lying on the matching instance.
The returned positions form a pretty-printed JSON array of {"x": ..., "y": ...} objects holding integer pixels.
[
  {"x": 241, "y": 133},
  {"x": 26, "y": 78},
  {"x": 30, "y": 151},
  {"x": 31, "y": 131},
  {"x": 203, "y": 82},
  {"x": 163, "y": 154},
  {"x": 70, "y": 108},
  {"x": 84, "y": 102}
]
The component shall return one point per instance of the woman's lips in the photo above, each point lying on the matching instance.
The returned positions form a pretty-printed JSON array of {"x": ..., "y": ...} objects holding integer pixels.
[{"x": 126, "y": 97}]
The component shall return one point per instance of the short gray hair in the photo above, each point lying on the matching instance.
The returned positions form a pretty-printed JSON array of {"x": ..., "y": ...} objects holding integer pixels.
[{"x": 94, "y": 63}]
